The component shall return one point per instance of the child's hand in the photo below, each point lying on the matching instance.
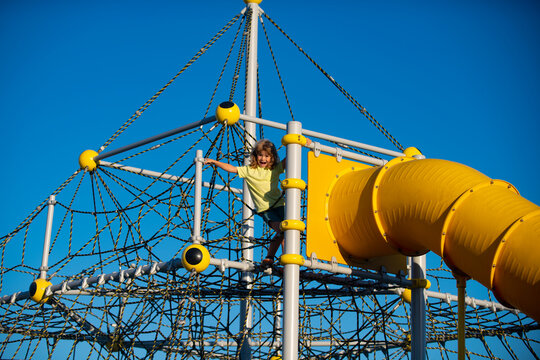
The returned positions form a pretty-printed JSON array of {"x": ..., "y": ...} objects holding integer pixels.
[{"x": 209, "y": 161}]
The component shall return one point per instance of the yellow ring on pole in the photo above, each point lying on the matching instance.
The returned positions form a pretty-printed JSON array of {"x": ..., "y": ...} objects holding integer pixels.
[
  {"x": 420, "y": 283},
  {"x": 37, "y": 290},
  {"x": 292, "y": 225},
  {"x": 292, "y": 183},
  {"x": 86, "y": 160},
  {"x": 253, "y": 1},
  {"x": 291, "y": 259},
  {"x": 294, "y": 139}
]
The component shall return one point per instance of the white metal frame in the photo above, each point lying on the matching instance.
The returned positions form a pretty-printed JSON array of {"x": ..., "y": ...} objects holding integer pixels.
[{"x": 292, "y": 212}]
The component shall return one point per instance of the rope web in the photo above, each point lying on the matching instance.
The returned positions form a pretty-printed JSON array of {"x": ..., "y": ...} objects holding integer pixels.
[{"x": 122, "y": 293}]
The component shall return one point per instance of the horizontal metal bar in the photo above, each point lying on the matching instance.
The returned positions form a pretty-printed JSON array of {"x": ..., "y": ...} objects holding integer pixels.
[
  {"x": 223, "y": 264},
  {"x": 346, "y": 154},
  {"x": 264, "y": 122},
  {"x": 167, "y": 176},
  {"x": 186, "y": 344},
  {"x": 322, "y": 136},
  {"x": 157, "y": 137},
  {"x": 314, "y": 264},
  {"x": 359, "y": 145},
  {"x": 473, "y": 302}
]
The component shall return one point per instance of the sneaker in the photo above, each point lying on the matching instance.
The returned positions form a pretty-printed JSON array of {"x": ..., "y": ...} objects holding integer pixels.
[{"x": 267, "y": 262}]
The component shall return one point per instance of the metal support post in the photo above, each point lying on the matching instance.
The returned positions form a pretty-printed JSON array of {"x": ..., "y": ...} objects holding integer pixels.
[
  {"x": 418, "y": 310},
  {"x": 461, "y": 285},
  {"x": 291, "y": 271},
  {"x": 196, "y": 234},
  {"x": 47, "y": 241},
  {"x": 247, "y": 214}
]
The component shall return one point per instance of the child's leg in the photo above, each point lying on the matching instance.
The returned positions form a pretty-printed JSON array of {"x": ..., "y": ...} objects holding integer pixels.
[{"x": 276, "y": 241}]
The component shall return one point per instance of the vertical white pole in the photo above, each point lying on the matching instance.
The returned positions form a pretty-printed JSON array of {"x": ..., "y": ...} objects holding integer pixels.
[
  {"x": 196, "y": 235},
  {"x": 418, "y": 310},
  {"x": 47, "y": 240},
  {"x": 291, "y": 274},
  {"x": 247, "y": 213}
]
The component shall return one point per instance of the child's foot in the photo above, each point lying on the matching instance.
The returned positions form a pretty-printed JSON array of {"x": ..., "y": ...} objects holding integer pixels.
[{"x": 267, "y": 262}]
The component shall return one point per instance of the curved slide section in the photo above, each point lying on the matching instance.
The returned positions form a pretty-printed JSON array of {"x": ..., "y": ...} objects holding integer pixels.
[{"x": 482, "y": 228}]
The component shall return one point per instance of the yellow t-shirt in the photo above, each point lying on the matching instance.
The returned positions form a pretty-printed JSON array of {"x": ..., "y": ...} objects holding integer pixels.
[{"x": 263, "y": 186}]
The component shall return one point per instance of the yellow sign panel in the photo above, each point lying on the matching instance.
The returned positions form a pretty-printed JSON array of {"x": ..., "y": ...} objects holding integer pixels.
[{"x": 322, "y": 172}]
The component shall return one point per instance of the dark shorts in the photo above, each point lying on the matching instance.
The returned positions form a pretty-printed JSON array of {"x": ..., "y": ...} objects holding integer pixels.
[{"x": 276, "y": 214}]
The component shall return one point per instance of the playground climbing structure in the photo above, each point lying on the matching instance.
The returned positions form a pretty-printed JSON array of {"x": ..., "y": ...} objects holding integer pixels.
[{"x": 144, "y": 252}]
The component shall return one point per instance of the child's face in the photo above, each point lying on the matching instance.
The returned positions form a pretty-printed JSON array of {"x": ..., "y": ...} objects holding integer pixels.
[{"x": 264, "y": 159}]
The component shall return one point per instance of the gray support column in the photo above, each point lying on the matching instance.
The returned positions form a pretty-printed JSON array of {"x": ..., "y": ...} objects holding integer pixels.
[
  {"x": 47, "y": 240},
  {"x": 247, "y": 214},
  {"x": 418, "y": 310},
  {"x": 292, "y": 248},
  {"x": 196, "y": 233}
]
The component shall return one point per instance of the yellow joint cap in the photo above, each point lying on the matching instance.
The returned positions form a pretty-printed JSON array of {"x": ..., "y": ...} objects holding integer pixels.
[
  {"x": 420, "y": 283},
  {"x": 292, "y": 183},
  {"x": 86, "y": 160},
  {"x": 254, "y": 2},
  {"x": 195, "y": 257},
  {"x": 228, "y": 113},
  {"x": 292, "y": 225},
  {"x": 411, "y": 151},
  {"x": 291, "y": 259},
  {"x": 406, "y": 295},
  {"x": 37, "y": 290},
  {"x": 294, "y": 139}
]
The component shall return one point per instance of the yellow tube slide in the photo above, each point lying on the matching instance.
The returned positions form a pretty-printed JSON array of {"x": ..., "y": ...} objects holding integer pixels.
[{"x": 482, "y": 228}]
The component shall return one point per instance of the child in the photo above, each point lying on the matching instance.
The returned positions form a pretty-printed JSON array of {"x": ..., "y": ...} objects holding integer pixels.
[{"x": 262, "y": 178}]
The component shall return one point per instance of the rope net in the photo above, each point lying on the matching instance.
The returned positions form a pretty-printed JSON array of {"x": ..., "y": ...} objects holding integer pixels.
[{"x": 121, "y": 292}]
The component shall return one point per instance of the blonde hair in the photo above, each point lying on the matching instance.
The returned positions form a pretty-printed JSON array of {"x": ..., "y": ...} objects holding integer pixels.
[{"x": 264, "y": 145}]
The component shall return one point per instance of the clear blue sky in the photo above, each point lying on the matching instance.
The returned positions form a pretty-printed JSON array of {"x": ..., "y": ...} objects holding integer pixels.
[{"x": 458, "y": 79}]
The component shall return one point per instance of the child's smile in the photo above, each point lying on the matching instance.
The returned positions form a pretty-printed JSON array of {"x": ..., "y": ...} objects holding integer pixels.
[{"x": 264, "y": 159}]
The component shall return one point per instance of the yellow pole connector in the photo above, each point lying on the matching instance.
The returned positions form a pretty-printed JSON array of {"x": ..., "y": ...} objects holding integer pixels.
[
  {"x": 253, "y": 2},
  {"x": 293, "y": 184},
  {"x": 37, "y": 290},
  {"x": 420, "y": 283},
  {"x": 86, "y": 160},
  {"x": 291, "y": 259},
  {"x": 406, "y": 295},
  {"x": 294, "y": 139},
  {"x": 228, "y": 113},
  {"x": 292, "y": 225}
]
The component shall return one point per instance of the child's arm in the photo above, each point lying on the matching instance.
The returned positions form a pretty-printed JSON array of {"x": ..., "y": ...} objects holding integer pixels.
[{"x": 227, "y": 167}]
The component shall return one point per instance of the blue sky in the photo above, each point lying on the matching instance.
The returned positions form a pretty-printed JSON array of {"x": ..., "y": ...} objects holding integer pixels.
[{"x": 458, "y": 79}]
